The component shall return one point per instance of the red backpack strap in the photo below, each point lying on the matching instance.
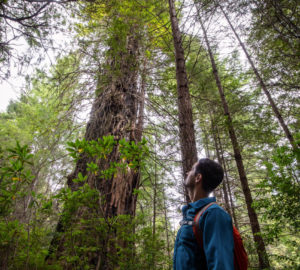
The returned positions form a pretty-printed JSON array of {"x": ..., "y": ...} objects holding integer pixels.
[{"x": 196, "y": 226}]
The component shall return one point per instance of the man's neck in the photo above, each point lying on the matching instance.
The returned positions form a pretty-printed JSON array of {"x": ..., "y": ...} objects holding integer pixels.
[{"x": 196, "y": 195}]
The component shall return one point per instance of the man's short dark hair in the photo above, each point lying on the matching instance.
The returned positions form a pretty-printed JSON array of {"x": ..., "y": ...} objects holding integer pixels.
[{"x": 212, "y": 173}]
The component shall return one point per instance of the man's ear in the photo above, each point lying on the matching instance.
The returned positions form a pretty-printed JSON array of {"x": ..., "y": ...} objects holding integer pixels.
[{"x": 198, "y": 178}]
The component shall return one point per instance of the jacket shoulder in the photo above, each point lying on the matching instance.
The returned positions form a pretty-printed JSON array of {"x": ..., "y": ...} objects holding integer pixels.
[
  {"x": 216, "y": 207},
  {"x": 215, "y": 212}
]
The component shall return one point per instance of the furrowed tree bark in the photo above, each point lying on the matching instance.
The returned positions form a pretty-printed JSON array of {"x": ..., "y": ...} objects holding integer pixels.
[
  {"x": 263, "y": 86},
  {"x": 114, "y": 112},
  {"x": 186, "y": 124},
  {"x": 260, "y": 245}
]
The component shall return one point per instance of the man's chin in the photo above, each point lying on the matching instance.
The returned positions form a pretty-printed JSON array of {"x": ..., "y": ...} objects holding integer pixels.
[{"x": 189, "y": 186}]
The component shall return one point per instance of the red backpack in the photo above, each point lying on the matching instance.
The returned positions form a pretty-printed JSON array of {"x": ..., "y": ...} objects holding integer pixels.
[{"x": 240, "y": 255}]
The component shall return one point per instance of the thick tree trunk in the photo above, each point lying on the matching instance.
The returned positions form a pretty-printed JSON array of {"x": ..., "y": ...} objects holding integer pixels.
[
  {"x": 114, "y": 112},
  {"x": 276, "y": 111},
  {"x": 186, "y": 124},
  {"x": 260, "y": 245}
]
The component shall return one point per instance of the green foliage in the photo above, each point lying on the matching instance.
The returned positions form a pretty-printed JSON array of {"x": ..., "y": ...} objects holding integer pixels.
[
  {"x": 130, "y": 239},
  {"x": 45, "y": 118},
  {"x": 99, "y": 149},
  {"x": 282, "y": 186},
  {"x": 274, "y": 39},
  {"x": 28, "y": 240},
  {"x": 26, "y": 22},
  {"x": 116, "y": 24},
  {"x": 15, "y": 177},
  {"x": 19, "y": 235},
  {"x": 23, "y": 248},
  {"x": 131, "y": 155},
  {"x": 279, "y": 203}
]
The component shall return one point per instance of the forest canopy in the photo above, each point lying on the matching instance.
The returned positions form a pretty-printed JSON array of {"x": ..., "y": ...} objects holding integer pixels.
[{"x": 119, "y": 100}]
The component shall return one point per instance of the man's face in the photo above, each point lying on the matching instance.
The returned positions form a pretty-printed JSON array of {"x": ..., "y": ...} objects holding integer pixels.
[{"x": 189, "y": 181}]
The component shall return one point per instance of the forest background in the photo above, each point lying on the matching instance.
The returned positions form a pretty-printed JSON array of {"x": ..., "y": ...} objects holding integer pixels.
[{"x": 118, "y": 99}]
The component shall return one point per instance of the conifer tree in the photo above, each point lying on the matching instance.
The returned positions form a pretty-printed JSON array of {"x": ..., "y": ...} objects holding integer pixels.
[
  {"x": 261, "y": 249},
  {"x": 186, "y": 124}
]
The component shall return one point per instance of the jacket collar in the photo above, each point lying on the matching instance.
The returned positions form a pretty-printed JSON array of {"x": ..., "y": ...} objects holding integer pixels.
[{"x": 194, "y": 207}]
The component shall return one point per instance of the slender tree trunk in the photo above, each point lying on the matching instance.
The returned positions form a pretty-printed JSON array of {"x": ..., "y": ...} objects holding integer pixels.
[
  {"x": 167, "y": 230},
  {"x": 276, "y": 111},
  {"x": 154, "y": 201},
  {"x": 141, "y": 104},
  {"x": 260, "y": 245},
  {"x": 226, "y": 179},
  {"x": 206, "y": 143},
  {"x": 140, "y": 120},
  {"x": 154, "y": 208},
  {"x": 224, "y": 187},
  {"x": 217, "y": 192},
  {"x": 186, "y": 124}
]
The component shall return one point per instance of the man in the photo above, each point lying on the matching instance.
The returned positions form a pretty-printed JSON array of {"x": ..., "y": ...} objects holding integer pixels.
[{"x": 215, "y": 224}]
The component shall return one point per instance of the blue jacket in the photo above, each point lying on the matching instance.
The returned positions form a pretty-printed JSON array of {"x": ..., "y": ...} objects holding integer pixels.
[{"x": 218, "y": 244}]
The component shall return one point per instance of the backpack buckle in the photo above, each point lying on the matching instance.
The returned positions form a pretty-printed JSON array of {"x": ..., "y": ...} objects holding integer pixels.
[{"x": 186, "y": 222}]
